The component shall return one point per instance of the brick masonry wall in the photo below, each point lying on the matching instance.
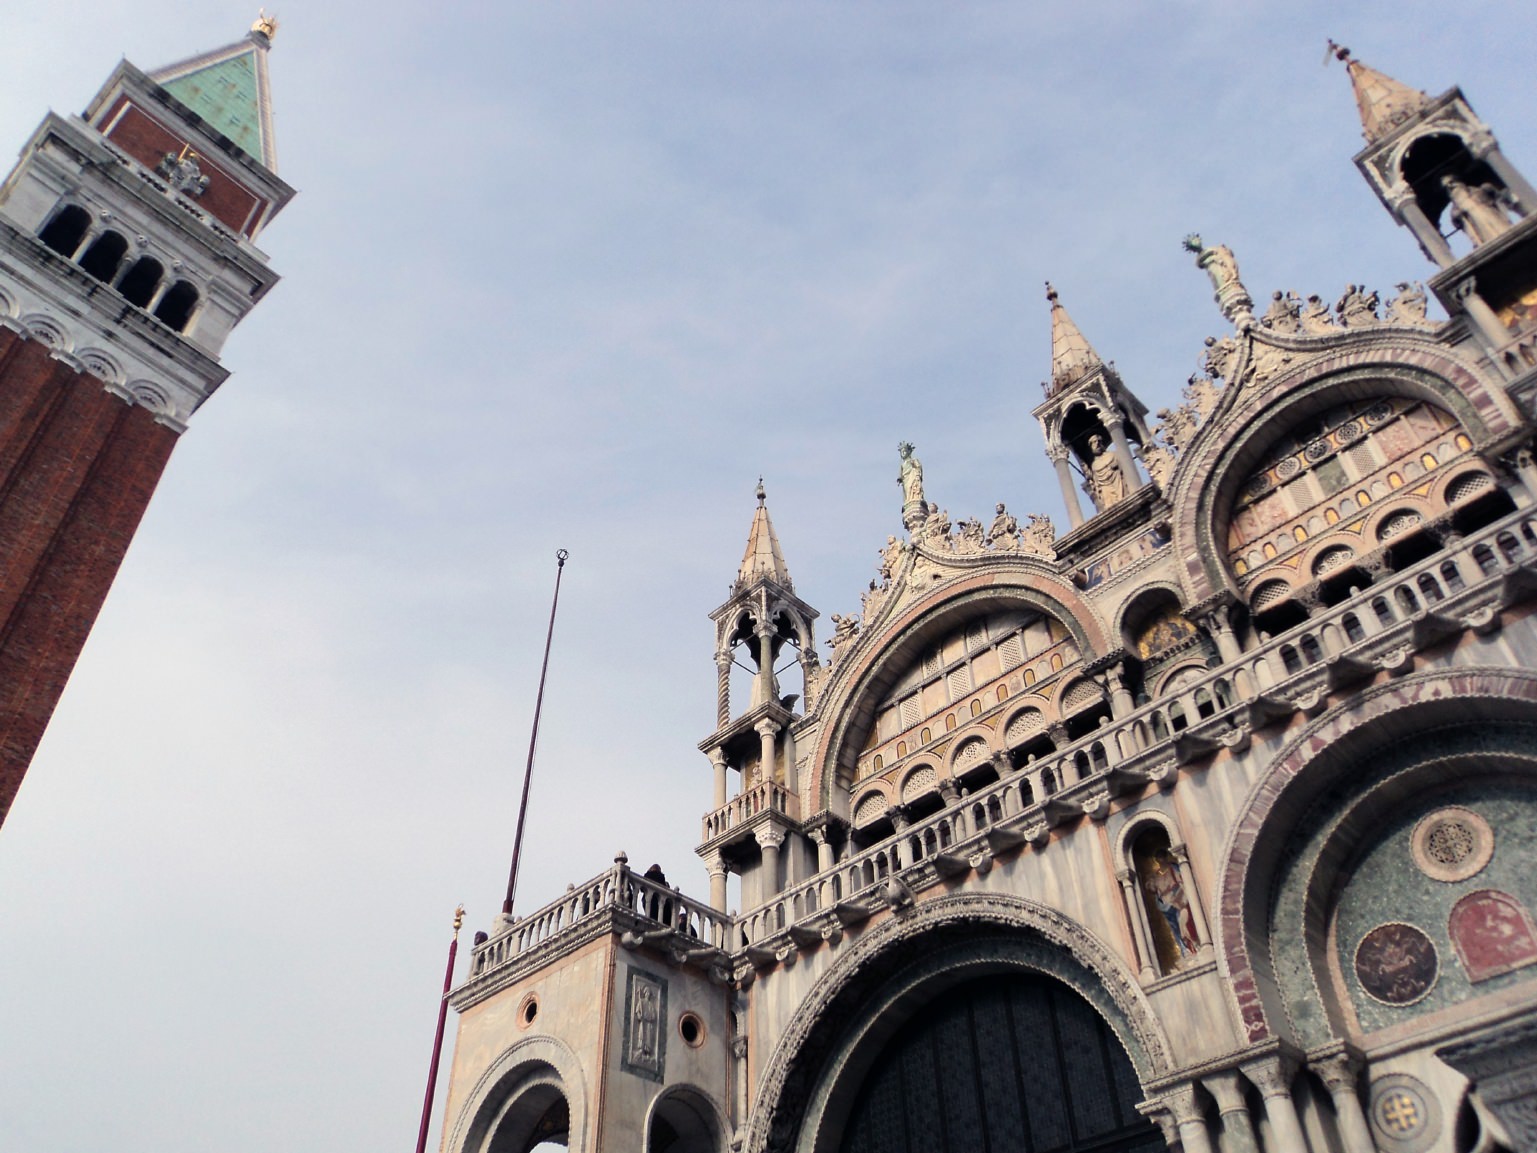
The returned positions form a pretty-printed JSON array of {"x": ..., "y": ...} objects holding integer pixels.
[{"x": 78, "y": 466}]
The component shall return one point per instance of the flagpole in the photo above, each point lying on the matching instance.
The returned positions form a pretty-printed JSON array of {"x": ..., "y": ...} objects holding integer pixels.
[
  {"x": 533, "y": 739},
  {"x": 437, "y": 1040}
]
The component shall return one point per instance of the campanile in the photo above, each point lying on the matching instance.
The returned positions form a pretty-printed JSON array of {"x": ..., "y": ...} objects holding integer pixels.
[{"x": 127, "y": 255}]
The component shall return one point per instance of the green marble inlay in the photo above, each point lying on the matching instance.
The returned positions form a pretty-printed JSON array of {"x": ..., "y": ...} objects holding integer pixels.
[{"x": 226, "y": 96}]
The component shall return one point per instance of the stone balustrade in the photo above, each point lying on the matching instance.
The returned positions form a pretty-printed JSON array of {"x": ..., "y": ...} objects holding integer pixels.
[
  {"x": 1463, "y": 586},
  {"x": 762, "y": 797},
  {"x": 615, "y": 890}
]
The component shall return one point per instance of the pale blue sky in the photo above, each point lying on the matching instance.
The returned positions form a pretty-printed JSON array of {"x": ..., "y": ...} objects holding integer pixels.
[{"x": 574, "y": 275}]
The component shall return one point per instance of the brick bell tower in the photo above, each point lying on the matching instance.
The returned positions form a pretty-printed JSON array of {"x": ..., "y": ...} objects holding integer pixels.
[{"x": 127, "y": 254}]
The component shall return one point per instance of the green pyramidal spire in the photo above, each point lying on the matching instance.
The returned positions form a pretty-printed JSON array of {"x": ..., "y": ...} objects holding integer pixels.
[{"x": 228, "y": 89}]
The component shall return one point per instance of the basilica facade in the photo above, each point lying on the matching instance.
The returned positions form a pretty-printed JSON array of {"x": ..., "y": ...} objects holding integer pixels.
[{"x": 1205, "y": 819}]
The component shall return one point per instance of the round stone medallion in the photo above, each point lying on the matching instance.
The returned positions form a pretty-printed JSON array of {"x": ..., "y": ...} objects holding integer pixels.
[
  {"x": 1405, "y": 1115},
  {"x": 1451, "y": 844},
  {"x": 1396, "y": 963}
]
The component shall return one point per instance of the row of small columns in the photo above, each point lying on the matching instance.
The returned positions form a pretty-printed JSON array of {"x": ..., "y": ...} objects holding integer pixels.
[{"x": 1184, "y": 1122}]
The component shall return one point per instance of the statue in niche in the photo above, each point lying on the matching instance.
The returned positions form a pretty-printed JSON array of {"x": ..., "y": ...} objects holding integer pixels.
[
  {"x": 1004, "y": 531},
  {"x": 936, "y": 530},
  {"x": 1284, "y": 313},
  {"x": 1315, "y": 317},
  {"x": 1170, "y": 918},
  {"x": 1478, "y": 211},
  {"x": 1357, "y": 308},
  {"x": 911, "y": 475},
  {"x": 1408, "y": 307},
  {"x": 971, "y": 536},
  {"x": 1039, "y": 536},
  {"x": 1107, "y": 482}
]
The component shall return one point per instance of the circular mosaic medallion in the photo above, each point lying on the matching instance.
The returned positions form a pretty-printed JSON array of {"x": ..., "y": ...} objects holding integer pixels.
[
  {"x": 1451, "y": 844},
  {"x": 1378, "y": 412},
  {"x": 1259, "y": 484},
  {"x": 1396, "y": 963},
  {"x": 1405, "y": 1115},
  {"x": 1287, "y": 467},
  {"x": 1316, "y": 450},
  {"x": 1349, "y": 431}
]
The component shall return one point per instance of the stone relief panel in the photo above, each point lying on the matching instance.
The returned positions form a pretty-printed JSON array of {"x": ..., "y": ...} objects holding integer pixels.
[
  {"x": 1452, "y": 844},
  {"x": 645, "y": 1017}
]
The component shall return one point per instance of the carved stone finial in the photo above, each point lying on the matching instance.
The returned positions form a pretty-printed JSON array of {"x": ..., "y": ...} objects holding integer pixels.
[{"x": 761, "y": 494}]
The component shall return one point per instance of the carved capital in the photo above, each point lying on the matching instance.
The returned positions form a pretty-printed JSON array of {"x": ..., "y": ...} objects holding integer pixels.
[
  {"x": 1339, "y": 1072},
  {"x": 1272, "y": 1075},
  {"x": 1183, "y": 1104},
  {"x": 718, "y": 757},
  {"x": 766, "y": 728},
  {"x": 818, "y": 835},
  {"x": 1226, "y": 1089},
  {"x": 739, "y": 1047},
  {"x": 769, "y": 836},
  {"x": 715, "y": 865}
]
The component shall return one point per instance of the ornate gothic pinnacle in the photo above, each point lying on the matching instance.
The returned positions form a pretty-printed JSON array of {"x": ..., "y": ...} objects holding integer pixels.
[
  {"x": 1383, "y": 102},
  {"x": 763, "y": 557},
  {"x": 1072, "y": 357}
]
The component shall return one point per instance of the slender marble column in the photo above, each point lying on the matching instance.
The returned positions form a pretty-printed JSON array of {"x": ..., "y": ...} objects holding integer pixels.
[
  {"x": 1338, "y": 1074},
  {"x": 1069, "y": 489},
  {"x": 769, "y": 838},
  {"x": 718, "y": 759},
  {"x": 1237, "y": 1129},
  {"x": 716, "y": 866},
  {"x": 1193, "y": 1134},
  {"x": 1272, "y": 1077}
]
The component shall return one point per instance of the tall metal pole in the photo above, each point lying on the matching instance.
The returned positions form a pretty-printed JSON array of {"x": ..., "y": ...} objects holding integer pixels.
[
  {"x": 437, "y": 1040},
  {"x": 533, "y": 739}
]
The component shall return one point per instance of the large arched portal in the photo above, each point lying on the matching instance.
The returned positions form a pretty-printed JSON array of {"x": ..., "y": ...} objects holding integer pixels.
[{"x": 1003, "y": 1062}]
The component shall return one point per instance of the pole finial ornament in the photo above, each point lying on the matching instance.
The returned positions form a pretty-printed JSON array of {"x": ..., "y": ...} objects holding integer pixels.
[
  {"x": 264, "y": 26},
  {"x": 458, "y": 918}
]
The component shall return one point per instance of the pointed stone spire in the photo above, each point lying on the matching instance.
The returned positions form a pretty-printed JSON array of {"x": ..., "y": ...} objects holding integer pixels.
[
  {"x": 763, "y": 558},
  {"x": 230, "y": 89},
  {"x": 1072, "y": 356},
  {"x": 1383, "y": 102}
]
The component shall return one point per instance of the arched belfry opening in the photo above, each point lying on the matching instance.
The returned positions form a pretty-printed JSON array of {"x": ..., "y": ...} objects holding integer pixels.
[
  {"x": 1002, "y": 1061},
  {"x": 536, "y": 1121}
]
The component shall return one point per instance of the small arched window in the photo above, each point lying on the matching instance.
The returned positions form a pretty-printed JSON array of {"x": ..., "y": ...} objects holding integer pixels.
[
  {"x": 175, "y": 307},
  {"x": 105, "y": 255},
  {"x": 66, "y": 230},
  {"x": 140, "y": 281}
]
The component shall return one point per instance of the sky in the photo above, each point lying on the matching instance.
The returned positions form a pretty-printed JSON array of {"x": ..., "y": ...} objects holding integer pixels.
[{"x": 574, "y": 276}]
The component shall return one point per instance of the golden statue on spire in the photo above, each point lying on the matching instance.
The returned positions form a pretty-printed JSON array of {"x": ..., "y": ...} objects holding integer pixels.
[{"x": 265, "y": 26}]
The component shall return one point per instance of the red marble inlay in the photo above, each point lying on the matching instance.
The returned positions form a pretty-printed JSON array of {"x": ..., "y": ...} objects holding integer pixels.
[{"x": 1492, "y": 934}]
